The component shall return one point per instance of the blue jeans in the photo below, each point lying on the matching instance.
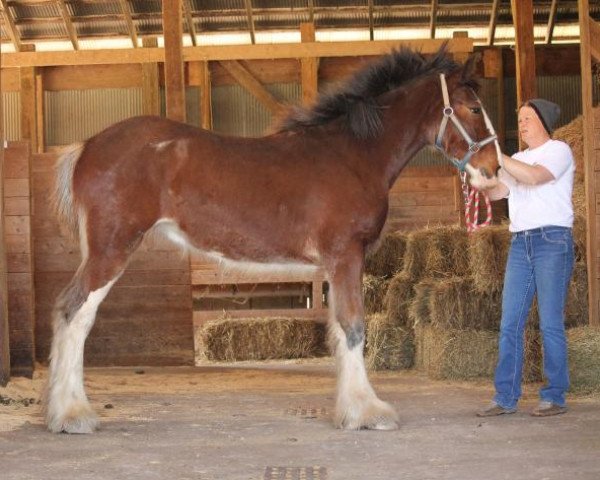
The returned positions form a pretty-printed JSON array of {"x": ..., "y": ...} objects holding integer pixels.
[{"x": 539, "y": 261}]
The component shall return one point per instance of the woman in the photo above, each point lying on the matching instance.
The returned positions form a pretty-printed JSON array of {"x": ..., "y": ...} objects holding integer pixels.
[{"x": 538, "y": 182}]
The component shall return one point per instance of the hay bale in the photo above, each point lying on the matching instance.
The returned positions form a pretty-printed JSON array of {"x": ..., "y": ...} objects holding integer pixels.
[
  {"x": 579, "y": 222},
  {"x": 418, "y": 309},
  {"x": 577, "y": 309},
  {"x": 584, "y": 359},
  {"x": 488, "y": 251},
  {"x": 388, "y": 257},
  {"x": 572, "y": 134},
  {"x": 388, "y": 346},
  {"x": 454, "y": 304},
  {"x": 397, "y": 299},
  {"x": 374, "y": 290},
  {"x": 260, "y": 339},
  {"x": 533, "y": 360},
  {"x": 453, "y": 354},
  {"x": 436, "y": 252}
]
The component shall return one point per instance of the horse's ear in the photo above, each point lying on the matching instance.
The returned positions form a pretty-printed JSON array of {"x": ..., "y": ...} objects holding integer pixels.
[{"x": 470, "y": 67}]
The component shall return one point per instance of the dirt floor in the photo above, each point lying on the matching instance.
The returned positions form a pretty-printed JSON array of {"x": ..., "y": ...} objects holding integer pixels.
[{"x": 272, "y": 421}]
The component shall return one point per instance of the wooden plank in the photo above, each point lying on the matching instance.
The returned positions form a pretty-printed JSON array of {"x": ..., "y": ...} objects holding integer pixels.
[
  {"x": 588, "y": 157},
  {"x": 17, "y": 206},
  {"x": 522, "y": 11},
  {"x": 40, "y": 140},
  {"x": 150, "y": 89},
  {"x": 4, "y": 327},
  {"x": 84, "y": 77},
  {"x": 11, "y": 80},
  {"x": 250, "y": 83},
  {"x": 309, "y": 67},
  {"x": 174, "y": 79},
  {"x": 594, "y": 34},
  {"x": 231, "y": 52},
  {"x": 9, "y": 22},
  {"x": 218, "y": 277},
  {"x": 433, "y": 18},
  {"x": 64, "y": 12},
  {"x": 203, "y": 73},
  {"x": 126, "y": 9}
]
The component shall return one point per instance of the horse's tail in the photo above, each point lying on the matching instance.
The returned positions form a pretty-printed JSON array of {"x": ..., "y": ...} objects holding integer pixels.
[{"x": 64, "y": 201}]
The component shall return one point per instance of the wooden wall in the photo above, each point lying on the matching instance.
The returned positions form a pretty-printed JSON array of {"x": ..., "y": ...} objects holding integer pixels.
[
  {"x": 146, "y": 319},
  {"x": 18, "y": 240}
]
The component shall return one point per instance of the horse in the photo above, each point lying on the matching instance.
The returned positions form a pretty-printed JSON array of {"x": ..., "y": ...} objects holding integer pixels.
[{"x": 311, "y": 194}]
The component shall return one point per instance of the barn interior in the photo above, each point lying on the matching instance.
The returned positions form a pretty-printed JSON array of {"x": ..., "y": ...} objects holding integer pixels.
[{"x": 248, "y": 348}]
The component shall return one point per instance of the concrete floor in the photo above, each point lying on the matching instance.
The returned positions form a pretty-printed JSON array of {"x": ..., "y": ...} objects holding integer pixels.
[{"x": 273, "y": 422}]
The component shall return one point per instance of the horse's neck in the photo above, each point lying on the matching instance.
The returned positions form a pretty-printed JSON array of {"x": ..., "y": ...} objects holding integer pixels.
[{"x": 408, "y": 127}]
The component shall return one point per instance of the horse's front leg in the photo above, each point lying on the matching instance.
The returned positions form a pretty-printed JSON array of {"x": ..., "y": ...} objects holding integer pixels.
[{"x": 357, "y": 405}]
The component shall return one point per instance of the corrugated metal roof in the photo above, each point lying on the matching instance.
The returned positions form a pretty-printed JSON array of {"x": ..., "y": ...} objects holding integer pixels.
[{"x": 41, "y": 20}]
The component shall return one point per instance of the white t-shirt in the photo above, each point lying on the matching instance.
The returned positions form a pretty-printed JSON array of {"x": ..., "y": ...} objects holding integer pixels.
[{"x": 534, "y": 206}]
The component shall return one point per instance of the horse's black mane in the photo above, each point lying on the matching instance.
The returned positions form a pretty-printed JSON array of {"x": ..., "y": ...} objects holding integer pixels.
[{"x": 356, "y": 101}]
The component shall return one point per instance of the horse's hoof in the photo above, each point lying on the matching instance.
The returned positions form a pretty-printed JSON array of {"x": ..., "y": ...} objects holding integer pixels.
[
  {"x": 377, "y": 416},
  {"x": 80, "y": 423}
]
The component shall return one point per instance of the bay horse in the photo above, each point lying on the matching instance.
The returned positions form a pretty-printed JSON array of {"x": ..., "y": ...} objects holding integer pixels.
[{"x": 312, "y": 194}]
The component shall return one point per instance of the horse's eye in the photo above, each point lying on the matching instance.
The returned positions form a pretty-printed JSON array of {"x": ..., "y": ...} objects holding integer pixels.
[{"x": 475, "y": 110}]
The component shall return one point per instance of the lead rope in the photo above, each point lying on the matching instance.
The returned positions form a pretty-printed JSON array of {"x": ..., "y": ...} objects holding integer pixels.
[{"x": 471, "y": 198}]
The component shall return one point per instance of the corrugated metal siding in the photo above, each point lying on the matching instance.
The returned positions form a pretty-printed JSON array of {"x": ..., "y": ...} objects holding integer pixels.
[
  {"x": 11, "y": 105},
  {"x": 74, "y": 115},
  {"x": 563, "y": 90},
  {"x": 237, "y": 112}
]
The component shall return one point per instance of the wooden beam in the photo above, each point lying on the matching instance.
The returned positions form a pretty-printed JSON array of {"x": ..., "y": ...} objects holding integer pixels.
[
  {"x": 28, "y": 106},
  {"x": 250, "y": 21},
  {"x": 250, "y": 83},
  {"x": 9, "y": 23},
  {"x": 205, "y": 95},
  {"x": 232, "y": 52},
  {"x": 174, "y": 80},
  {"x": 4, "y": 343},
  {"x": 493, "y": 22},
  {"x": 493, "y": 67},
  {"x": 190, "y": 21},
  {"x": 311, "y": 11},
  {"x": 551, "y": 21},
  {"x": 589, "y": 153},
  {"x": 433, "y": 18},
  {"x": 522, "y": 11},
  {"x": 371, "y": 22},
  {"x": 309, "y": 67},
  {"x": 126, "y": 8},
  {"x": 594, "y": 33},
  {"x": 39, "y": 113},
  {"x": 64, "y": 12},
  {"x": 150, "y": 82}
]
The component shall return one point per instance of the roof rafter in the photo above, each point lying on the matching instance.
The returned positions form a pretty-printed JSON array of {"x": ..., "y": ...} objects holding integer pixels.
[
  {"x": 187, "y": 10},
  {"x": 493, "y": 22},
  {"x": 126, "y": 7},
  {"x": 551, "y": 22},
  {"x": 64, "y": 12},
  {"x": 250, "y": 21},
  {"x": 11, "y": 27},
  {"x": 433, "y": 18}
]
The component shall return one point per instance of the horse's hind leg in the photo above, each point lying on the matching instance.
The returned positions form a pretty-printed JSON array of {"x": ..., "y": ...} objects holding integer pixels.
[
  {"x": 68, "y": 409},
  {"x": 357, "y": 405}
]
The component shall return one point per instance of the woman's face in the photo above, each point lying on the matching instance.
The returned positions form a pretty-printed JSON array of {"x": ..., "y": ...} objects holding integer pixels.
[{"x": 531, "y": 128}]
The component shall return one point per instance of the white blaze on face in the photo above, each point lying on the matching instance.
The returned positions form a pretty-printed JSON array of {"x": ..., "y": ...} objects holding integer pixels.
[{"x": 477, "y": 180}]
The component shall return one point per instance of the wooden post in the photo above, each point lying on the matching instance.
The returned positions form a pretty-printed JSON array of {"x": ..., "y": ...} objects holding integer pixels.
[
  {"x": 591, "y": 158},
  {"x": 205, "y": 96},
  {"x": 522, "y": 11},
  {"x": 28, "y": 98},
  {"x": 174, "y": 78},
  {"x": 493, "y": 67},
  {"x": 40, "y": 139},
  {"x": 309, "y": 67},
  {"x": 4, "y": 345},
  {"x": 150, "y": 82}
]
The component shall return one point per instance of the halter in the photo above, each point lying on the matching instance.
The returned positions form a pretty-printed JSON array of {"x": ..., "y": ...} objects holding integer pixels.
[{"x": 474, "y": 147}]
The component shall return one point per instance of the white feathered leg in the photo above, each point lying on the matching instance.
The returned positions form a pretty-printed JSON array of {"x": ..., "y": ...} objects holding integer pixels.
[{"x": 68, "y": 409}]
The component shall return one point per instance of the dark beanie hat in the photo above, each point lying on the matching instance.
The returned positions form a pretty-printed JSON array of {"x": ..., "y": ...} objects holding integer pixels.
[{"x": 548, "y": 112}]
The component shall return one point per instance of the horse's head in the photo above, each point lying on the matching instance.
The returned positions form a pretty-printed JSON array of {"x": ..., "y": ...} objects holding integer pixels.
[{"x": 466, "y": 134}]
